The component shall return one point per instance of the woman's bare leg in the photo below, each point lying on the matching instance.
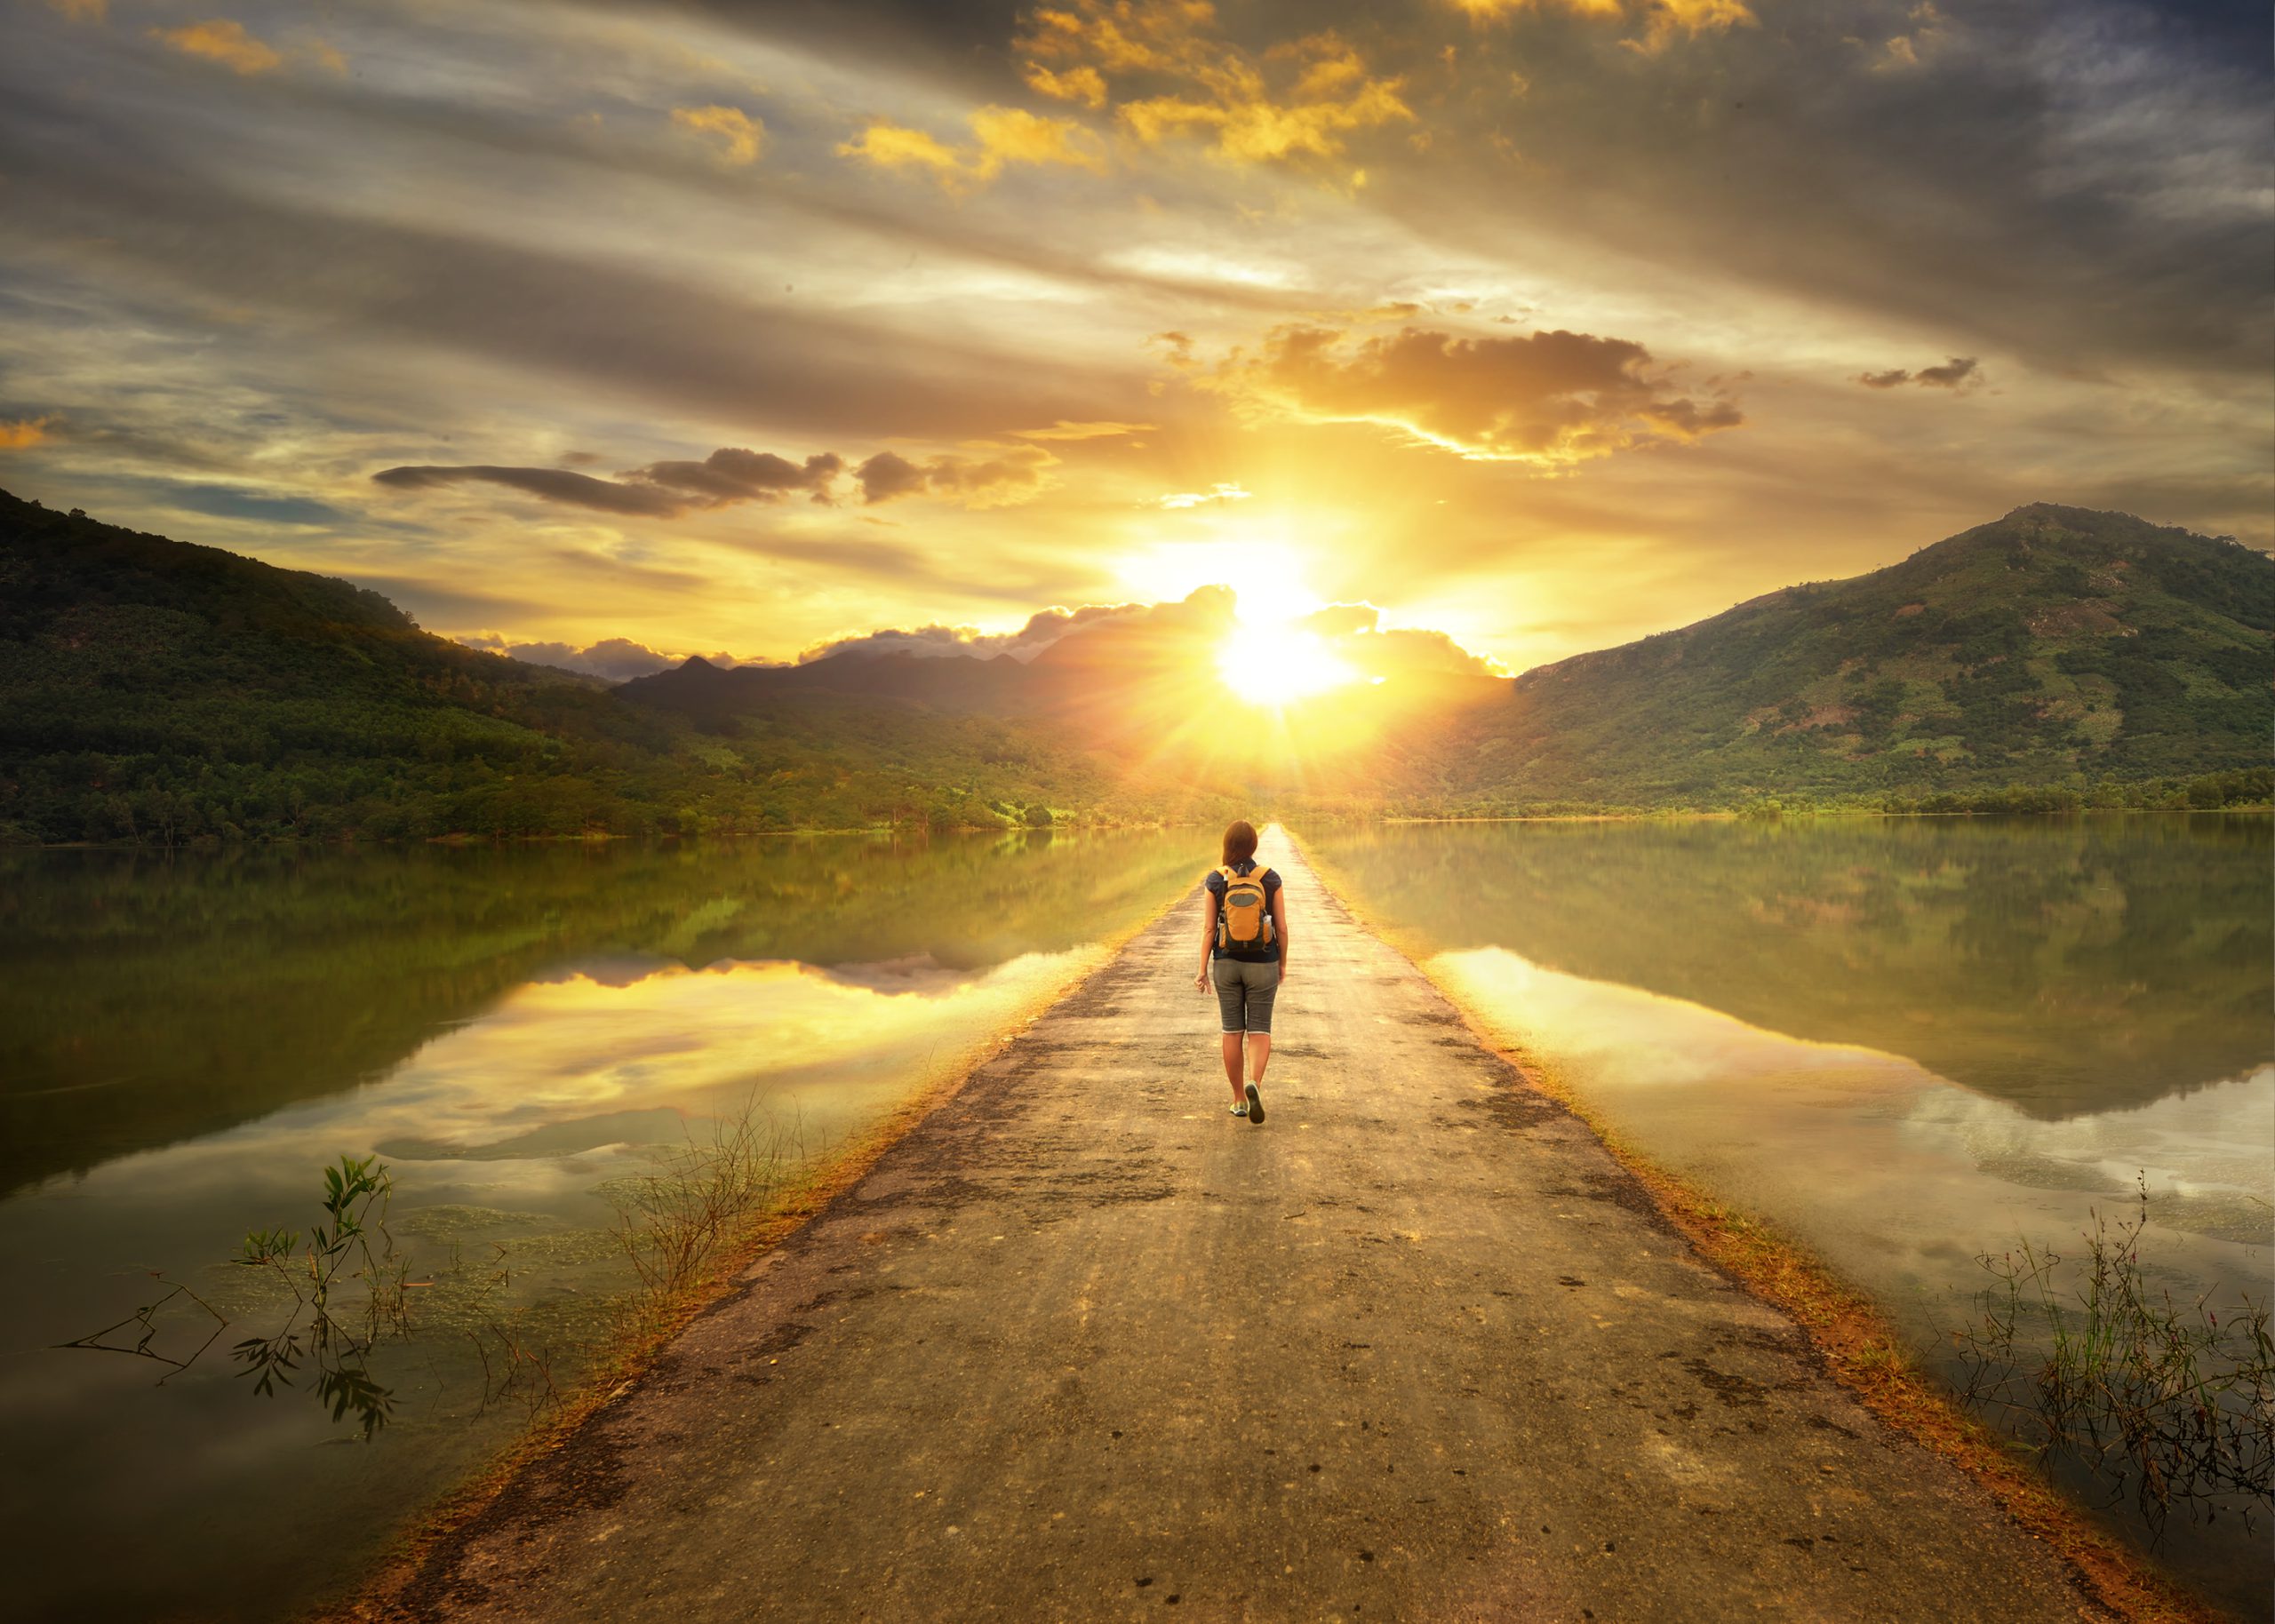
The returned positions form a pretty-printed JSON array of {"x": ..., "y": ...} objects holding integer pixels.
[
  {"x": 1233, "y": 1065},
  {"x": 1259, "y": 1051}
]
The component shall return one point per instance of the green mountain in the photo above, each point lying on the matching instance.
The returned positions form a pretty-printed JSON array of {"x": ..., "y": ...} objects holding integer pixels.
[
  {"x": 2056, "y": 645},
  {"x": 158, "y": 692}
]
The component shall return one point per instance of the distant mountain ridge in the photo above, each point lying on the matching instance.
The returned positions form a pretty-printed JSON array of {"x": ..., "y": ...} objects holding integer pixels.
[
  {"x": 698, "y": 688},
  {"x": 152, "y": 690}
]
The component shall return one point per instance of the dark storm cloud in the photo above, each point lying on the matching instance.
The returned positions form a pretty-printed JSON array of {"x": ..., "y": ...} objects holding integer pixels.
[
  {"x": 889, "y": 474},
  {"x": 2082, "y": 184},
  {"x": 961, "y": 38},
  {"x": 2082, "y": 181},
  {"x": 1544, "y": 397},
  {"x": 996, "y": 479},
  {"x": 1959, "y": 372},
  {"x": 227, "y": 502},
  {"x": 661, "y": 490},
  {"x": 550, "y": 484},
  {"x": 731, "y": 476}
]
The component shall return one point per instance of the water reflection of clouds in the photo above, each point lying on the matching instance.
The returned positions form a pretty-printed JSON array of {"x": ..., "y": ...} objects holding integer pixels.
[
  {"x": 523, "y": 1105},
  {"x": 2208, "y": 1156},
  {"x": 609, "y": 970},
  {"x": 676, "y": 1038},
  {"x": 918, "y": 975},
  {"x": 1896, "y": 1174},
  {"x": 1632, "y": 1037}
]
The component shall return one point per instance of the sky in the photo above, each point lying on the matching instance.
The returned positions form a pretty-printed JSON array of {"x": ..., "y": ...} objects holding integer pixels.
[{"x": 619, "y": 333}]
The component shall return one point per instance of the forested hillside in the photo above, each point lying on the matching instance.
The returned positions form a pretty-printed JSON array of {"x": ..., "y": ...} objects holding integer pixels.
[
  {"x": 158, "y": 692},
  {"x": 2056, "y": 647}
]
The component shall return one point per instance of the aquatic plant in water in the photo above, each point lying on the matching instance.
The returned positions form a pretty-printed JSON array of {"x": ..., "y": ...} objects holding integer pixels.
[
  {"x": 349, "y": 1285},
  {"x": 2087, "y": 1362},
  {"x": 356, "y": 1193}
]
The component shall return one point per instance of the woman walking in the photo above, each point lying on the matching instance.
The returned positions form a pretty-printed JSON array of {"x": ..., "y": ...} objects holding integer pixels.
[{"x": 1244, "y": 951}]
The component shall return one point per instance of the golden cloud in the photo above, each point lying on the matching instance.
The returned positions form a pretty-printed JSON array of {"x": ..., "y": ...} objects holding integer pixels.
[
  {"x": 83, "y": 11},
  {"x": 739, "y": 137},
  {"x": 1300, "y": 99},
  {"x": 1084, "y": 84},
  {"x": 1222, "y": 490},
  {"x": 1959, "y": 372},
  {"x": 1001, "y": 137},
  {"x": 220, "y": 40},
  {"x": 1692, "y": 18},
  {"x": 1354, "y": 633},
  {"x": 1929, "y": 34},
  {"x": 1551, "y": 399},
  {"x": 1065, "y": 430},
  {"x": 23, "y": 431}
]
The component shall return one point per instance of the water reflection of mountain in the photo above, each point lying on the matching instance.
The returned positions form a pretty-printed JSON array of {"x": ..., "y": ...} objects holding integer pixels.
[
  {"x": 2063, "y": 966},
  {"x": 148, "y": 999}
]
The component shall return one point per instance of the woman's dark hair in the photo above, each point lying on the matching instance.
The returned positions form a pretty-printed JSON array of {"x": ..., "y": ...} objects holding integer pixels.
[{"x": 1240, "y": 843}]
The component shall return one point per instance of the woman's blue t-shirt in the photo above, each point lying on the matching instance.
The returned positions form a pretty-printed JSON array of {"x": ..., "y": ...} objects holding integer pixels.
[{"x": 1246, "y": 955}]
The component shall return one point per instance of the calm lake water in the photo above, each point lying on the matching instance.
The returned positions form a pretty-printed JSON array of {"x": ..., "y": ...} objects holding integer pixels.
[
  {"x": 185, "y": 1042},
  {"x": 1906, "y": 1042}
]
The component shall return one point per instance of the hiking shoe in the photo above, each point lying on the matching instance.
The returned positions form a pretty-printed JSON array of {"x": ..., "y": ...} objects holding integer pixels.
[
  {"x": 1240, "y": 1109},
  {"x": 1254, "y": 1104}
]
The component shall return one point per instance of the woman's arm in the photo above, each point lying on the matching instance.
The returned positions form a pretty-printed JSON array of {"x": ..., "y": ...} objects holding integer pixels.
[
  {"x": 1279, "y": 924},
  {"x": 1207, "y": 941}
]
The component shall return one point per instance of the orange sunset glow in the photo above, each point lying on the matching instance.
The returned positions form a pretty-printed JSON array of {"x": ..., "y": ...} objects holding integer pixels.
[{"x": 614, "y": 336}]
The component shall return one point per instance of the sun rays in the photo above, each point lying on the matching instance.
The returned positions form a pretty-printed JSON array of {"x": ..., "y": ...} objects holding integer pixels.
[{"x": 1272, "y": 661}]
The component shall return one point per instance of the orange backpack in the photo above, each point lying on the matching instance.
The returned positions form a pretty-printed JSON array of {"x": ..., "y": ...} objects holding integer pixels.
[{"x": 1243, "y": 915}]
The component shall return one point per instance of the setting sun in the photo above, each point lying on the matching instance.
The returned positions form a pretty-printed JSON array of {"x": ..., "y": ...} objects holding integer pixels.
[{"x": 1273, "y": 664}]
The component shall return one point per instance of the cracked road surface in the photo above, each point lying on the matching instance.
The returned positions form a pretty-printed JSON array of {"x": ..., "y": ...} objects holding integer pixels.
[{"x": 1082, "y": 1345}]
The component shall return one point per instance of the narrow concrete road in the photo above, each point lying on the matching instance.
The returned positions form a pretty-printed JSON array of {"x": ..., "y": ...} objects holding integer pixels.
[{"x": 1084, "y": 1346}]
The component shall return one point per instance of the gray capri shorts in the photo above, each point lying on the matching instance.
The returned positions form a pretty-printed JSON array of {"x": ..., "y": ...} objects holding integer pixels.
[{"x": 1244, "y": 993}]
